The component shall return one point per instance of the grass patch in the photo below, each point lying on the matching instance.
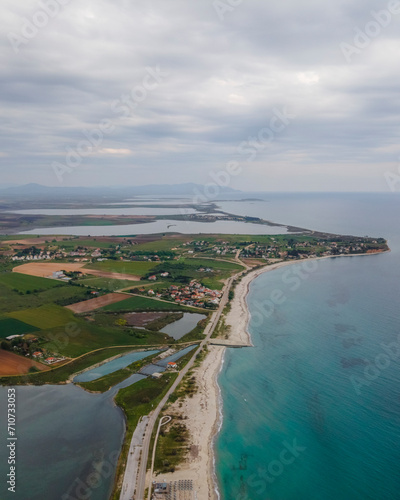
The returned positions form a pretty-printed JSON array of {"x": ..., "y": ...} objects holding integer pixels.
[
  {"x": 139, "y": 268},
  {"x": 24, "y": 283},
  {"x": 44, "y": 317},
  {"x": 11, "y": 326},
  {"x": 106, "y": 283},
  {"x": 11, "y": 300},
  {"x": 172, "y": 447}
]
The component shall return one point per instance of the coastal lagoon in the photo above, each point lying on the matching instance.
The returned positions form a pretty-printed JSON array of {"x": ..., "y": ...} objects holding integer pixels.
[
  {"x": 68, "y": 442},
  {"x": 112, "y": 366},
  {"x": 182, "y": 326},
  {"x": 313, "y": 412},
  {"x": 164, "y": 226}
]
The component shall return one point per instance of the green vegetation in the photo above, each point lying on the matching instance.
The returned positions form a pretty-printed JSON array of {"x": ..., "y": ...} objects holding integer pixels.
[
  {"x": 136, "y": 268},
  {"x": 81, "y": 336},
  {"x": 106, "y": 284},
  {"x": 12, "y": 300},
  {"x": 47, "y": 316},
  {"x": 171, "y": 447},
  {"x": 24, "y": 283},
  {"x": 10, "y": 326}
]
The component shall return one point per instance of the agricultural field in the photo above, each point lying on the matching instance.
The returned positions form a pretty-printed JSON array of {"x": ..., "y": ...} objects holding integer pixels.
[
  {"x": 12, "y": 364},
  {"x": 24, "y": 283},
  {"x": 97, "y": 303},
  {"x": 11, "y": 300},
  {"x": 138, "y": 268},
  {"x": 11, "y": 326},
  {"x": 109, "y": 284},
  {"x": 44, "y": 317},
  {"x": 46, "y": 269}
]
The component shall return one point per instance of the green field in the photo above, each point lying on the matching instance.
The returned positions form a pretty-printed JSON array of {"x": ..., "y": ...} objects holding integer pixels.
[
  {"x": 44, "y": 317},
  {"x": 164, "y": 244},
  {"x": 11, "y": 326},
  {"x": 24, "y": 283},
  {"x": 106, "y": 283},
  {"x": 11, "y": 300},
  {"x": 143, "y": 304},
  {"x": 138, "y": 268}
]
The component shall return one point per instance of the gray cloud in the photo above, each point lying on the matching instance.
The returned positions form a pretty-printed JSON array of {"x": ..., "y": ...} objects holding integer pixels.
[{"x": 225, "y": 79}]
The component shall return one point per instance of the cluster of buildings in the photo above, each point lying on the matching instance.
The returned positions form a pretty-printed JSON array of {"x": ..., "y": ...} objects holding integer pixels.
[
  {"x": 222, "y": 248},
  {"x": 50, "y": 360},
  {"x": 193, "y": 294},
  {"x": 303, "y": 250},
  {"x": 42, "y": 255},
  {"x": 24, "y": 347}
]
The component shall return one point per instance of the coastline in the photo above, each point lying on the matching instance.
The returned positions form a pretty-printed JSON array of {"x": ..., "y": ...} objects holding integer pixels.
[{"x": 203, "y": 412}]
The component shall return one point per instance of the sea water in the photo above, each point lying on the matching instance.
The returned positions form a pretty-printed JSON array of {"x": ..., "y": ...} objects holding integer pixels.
[{"x": 313, "y": 411}]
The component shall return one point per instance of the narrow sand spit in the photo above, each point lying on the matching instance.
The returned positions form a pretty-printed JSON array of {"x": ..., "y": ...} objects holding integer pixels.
[{"x": 202, "y": 412}]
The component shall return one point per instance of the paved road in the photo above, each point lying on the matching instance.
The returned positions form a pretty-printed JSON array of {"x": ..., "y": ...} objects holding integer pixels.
[
  {"x": 141, "y": 483},
  {"x": 132, "y": 465}
]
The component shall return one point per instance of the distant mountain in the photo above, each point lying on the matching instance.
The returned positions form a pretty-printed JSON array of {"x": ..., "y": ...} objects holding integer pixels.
[{"x": 48, "y": 193}]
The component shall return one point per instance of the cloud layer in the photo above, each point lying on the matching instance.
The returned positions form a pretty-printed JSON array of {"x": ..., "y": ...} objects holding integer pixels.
[{"x": 123, "y": 92}]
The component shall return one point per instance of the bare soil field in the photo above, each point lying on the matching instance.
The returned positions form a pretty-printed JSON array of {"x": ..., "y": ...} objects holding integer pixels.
[
  {"x": 12, "y": 364},
  {"x": 143, "y": 318},
  {"x": 92, "y": 304},
  {"x": 46, "y": 269}
]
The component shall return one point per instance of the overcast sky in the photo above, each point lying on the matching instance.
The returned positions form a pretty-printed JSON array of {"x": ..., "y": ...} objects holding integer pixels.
[{"x": 183, "y": 88}]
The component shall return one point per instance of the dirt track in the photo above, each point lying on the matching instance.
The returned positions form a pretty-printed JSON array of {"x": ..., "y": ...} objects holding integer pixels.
[
  {"x": 46, "y": 269},
  {"x": 12, "y": 364},
  {"x": 92, "y": 304}
]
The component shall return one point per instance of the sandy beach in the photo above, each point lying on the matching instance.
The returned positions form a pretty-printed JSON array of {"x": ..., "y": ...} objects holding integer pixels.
[{"x": 202, "y": 412}]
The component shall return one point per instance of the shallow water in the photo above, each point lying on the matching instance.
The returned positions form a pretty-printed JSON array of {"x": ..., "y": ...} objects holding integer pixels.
[{"x": 301, "y": 420}]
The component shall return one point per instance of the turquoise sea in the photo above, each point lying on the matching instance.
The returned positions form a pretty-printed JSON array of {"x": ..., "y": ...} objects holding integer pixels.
[{"x": 313, "y": 411}]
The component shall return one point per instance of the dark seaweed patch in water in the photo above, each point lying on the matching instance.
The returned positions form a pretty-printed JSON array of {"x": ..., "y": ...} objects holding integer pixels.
[
  {"x": 350, "y": 362},
  {"x": 317, "y": 414},
  {"x": 347, "y": 343},
  {"x": 339, "y": 297},
  {"x": 344, "y": 328}
]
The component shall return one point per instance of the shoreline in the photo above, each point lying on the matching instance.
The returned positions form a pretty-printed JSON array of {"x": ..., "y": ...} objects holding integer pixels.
[
  {"x": 238, "y": 318},
  {"x": 203, "y": 413}
]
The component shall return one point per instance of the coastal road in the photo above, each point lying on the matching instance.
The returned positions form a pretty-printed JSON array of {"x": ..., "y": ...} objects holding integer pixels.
[
  {"x": 141, "y": 481},
  {"x": 128, "y": 486}
]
